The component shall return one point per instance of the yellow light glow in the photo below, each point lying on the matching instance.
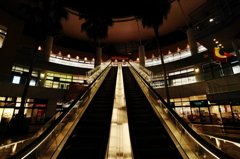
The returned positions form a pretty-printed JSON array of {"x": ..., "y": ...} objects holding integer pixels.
[
  {"x": 153, "y": 56},
  {"x": 216, "y": 42},
  {"x": 188, "y": 47},
  {"x": 60, "y": 53},
  {"x": 77, "y": 57},
  {"x": 137, "y": 59},
  {"x": 169, "y": 52},
  {"x": 196, "y": 70},
  {"x": 85, "y": 58},
  {"x": 39, "y": 48},
  {"x": 93, "y": 59},
  {"x": 178, "y": 49},
  {"x": 214, "y": 39},
  {"x": 68, "y": 55}
]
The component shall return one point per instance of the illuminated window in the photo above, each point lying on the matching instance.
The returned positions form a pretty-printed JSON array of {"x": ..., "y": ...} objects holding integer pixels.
[
  {"x": 3, "y": 33},
  {"x": 236, "y": 69},
  {"x": 16, "y": 79}
]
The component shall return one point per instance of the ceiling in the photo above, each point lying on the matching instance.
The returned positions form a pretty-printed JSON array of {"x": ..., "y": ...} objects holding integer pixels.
[{"x": 125, "y": 28}]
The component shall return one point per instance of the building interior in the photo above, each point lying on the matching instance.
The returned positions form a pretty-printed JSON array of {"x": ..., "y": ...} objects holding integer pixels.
[{"x": 199, "y": 48}]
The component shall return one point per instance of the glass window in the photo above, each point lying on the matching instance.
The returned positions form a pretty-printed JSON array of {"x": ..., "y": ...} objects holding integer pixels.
[
  {"x": 185, "y": 103},
  {"x": 48, "y": 84},
  {"x": 11, "y": 99},
  {"x": 7, "y": 116},
  {"x": 19, "y": 99},
  {"x": 2, "y": 98},
  {"x": 2, "y": 104},
  {"x": 199, "y": 97},
  {"x": 205, "y": 116},
  {"x": 196, "y": 115},
  {"x": 236, "y": 69},
  {"x": 16, "y": 79},
  {"x": 55, "y": 84},
  {"x": 29, "y": 104}
]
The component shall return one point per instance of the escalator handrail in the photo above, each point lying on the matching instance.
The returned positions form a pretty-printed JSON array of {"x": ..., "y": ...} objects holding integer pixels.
[
  {"x": 38, "y": 140},
  {"x": 208, "y": 147}
]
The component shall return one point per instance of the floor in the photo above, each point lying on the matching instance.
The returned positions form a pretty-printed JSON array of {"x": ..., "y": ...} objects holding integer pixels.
[{"x": 229, "y": 134}]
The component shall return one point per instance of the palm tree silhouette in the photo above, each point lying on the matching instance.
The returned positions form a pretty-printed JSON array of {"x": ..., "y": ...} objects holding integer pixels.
[
  {"x": 43, "y": 18},
  {"x": 96, "y": 28},
  {"x": 153, "y": 13}
]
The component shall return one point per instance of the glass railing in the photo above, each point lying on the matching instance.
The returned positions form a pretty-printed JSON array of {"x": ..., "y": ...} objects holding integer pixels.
[
  {"x": 227, "y": 146},
  {"x": 173, "y": 57},
  {"x": 51, "y": 141},
  {"x": 188, "y": 142},
  {"x": 92, "y": 74},
  {"x": 221, "y": 85},
  {"x": 145, "y": 73},
  {"x": 14, "y": 147}
]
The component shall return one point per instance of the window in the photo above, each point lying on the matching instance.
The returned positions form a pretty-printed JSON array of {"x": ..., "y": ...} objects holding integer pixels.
[{"x": 3, "y": 33}]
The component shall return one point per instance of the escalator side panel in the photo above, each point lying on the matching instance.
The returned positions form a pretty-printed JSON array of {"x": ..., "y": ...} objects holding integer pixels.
[
  {"x": 148, "y": 136},
  {"x": 90, "y": 137}
]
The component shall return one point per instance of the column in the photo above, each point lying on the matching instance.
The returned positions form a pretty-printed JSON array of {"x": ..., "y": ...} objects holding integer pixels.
[
  {"x": 192, "y": 42},
  {"x": 236, "y": 49},
  {"x": 47, "y": 48},
  {"x": 98, "y": 56},
  {"x": 141, "y": 54}
]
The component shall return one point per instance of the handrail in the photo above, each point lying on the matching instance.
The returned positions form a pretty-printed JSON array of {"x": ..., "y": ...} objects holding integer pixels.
[
  {"x": 68, "y": 118},
  {"x": 167, "y": 112}
]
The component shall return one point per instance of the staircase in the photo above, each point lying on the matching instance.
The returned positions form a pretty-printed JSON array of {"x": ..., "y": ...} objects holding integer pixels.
[
  {"x": 90, "y": 137},
  {"x": 149, "y": 138}
]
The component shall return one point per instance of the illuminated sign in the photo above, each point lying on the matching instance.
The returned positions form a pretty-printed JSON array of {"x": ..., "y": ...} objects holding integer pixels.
[{"x": 40, "y": 105}]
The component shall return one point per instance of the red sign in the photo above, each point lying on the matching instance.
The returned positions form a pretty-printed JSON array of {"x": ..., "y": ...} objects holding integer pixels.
[{"x": 40, "y": 105}]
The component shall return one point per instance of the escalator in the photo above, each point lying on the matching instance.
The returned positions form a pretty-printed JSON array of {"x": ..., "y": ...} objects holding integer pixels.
[
  {"x": 149, "y": 138},
  {"x": 90, "y": 137}
]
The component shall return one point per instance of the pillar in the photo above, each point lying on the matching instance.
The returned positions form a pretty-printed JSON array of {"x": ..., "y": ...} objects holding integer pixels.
[
  {"x": 98, "y": 56},
  {"x": 192, "y": 42},
  {"x": 47, "y": 48},
  {"x": 236, "y": 49},
  {"x": 141, "y": 54}
]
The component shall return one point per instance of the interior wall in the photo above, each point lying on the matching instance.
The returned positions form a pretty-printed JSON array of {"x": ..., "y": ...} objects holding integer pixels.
[{"x": 10, "y": 45}]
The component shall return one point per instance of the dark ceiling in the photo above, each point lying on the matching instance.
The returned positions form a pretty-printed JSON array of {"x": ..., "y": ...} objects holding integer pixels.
[
  {"x": 113, "y": 8},
  {"x": 124, "y": 32}
]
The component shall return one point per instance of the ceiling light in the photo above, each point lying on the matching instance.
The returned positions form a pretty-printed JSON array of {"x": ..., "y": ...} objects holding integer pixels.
[
  {"x": 216, "y": 42},
  {"x": 211, "y": 20},
  {"x": 214, "y": 39}
]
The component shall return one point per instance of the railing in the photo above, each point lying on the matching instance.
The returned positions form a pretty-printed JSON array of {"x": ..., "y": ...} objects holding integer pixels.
[
  {"x": 229, "y": 147},
  {"x": 14, "y": 147},
  {"x": 145, "y": 73},
  {"x": 51, "y": 141},
  {"x": 92, "y": 74},
  {"x": 173, "y": 57},
  {"x": 188, "y": 142},
  {"x": 226, "y": 84}
]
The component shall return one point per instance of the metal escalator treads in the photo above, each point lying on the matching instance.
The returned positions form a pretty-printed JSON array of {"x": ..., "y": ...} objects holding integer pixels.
[
  {"x": 148, "y": 136},
  {"x": 89, "y": 139}
]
